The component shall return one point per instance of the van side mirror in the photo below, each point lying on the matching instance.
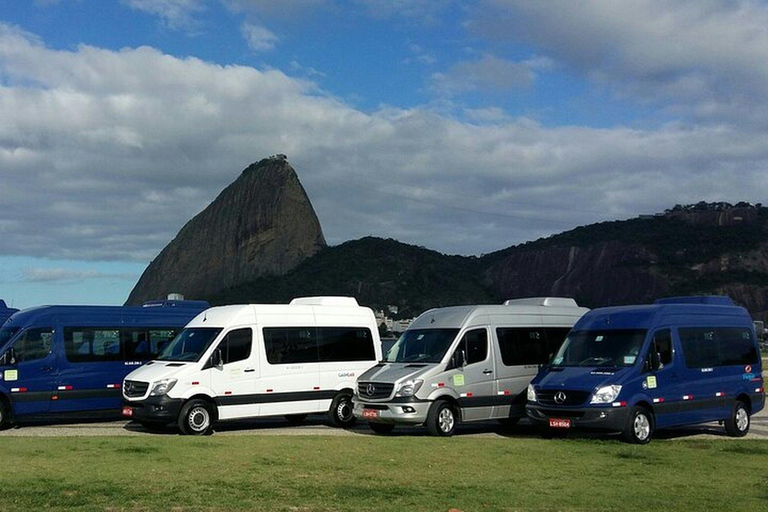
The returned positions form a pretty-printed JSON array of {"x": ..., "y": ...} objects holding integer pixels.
[
  {"x": 652, "y": 362},
  {"x": 216, "y": 360},
  {"x": 9, "y": 358},
  {"x": 458, "y": 360}
]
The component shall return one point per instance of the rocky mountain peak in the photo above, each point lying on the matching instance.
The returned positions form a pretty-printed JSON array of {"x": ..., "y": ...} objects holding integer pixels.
[{"x": 261, "y": 224}]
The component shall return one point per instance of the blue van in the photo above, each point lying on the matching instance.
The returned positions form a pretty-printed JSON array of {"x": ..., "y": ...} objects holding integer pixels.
[
  {"x": 5, "y": 312},
  {"x": 634, "y": 369},
  {"x": 62, "y": 361}
]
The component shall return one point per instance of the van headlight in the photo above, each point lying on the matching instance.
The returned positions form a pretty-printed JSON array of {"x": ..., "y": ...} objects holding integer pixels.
[
  {"x": 531, "y": 393},
  {"x": 409, "y": 387},
  {"x": 606, "y": 394},
  {"x": 162, "y": 387}
]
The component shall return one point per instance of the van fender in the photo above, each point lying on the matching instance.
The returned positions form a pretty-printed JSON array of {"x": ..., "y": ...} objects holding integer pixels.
[
  {"x": 199, "y": 392},
  {"x": 448, "y": 395},
  {"x": 347, "y": 384},
  {"x": 642, "y": 400}
]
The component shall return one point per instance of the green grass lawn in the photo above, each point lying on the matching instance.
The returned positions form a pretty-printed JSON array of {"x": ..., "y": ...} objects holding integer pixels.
[{"x": 380, "y": 473}]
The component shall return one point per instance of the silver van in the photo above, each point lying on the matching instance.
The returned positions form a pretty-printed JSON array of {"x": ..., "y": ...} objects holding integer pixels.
[{"x": 464, "y": 363}]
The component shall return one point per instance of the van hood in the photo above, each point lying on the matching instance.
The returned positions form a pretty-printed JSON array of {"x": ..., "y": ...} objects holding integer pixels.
[
  {"x": 579, "y": 377},
  {"x": 156, "y": 370},
  {"x": 395, "y": 372}
]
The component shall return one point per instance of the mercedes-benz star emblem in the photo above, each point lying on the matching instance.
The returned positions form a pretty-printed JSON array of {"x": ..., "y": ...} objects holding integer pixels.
[
  {"x": 370, "y": 389},
  {"x": 559, "y": 397}
]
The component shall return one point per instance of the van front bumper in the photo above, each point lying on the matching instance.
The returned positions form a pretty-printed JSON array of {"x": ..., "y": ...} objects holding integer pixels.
[
  {"x": 410, "y": 410},
  {"x": 612, "y": 419},
  {"x": 156, "y": 409}
]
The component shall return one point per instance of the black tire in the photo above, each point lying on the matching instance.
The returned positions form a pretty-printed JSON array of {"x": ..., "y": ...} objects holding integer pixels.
[
  {"x": 295, "y": 419},
  {"x": 153, "y": 426},
  {"x": 737, "y": 424},
  {"x": 639, "y": 427},
  {"x": 341, "y": 411},
  {"x": 5, "y": 415},
  {"x": 382, "y": 428},
  {"x": 442, "y": 419},
  {"x": 196, "y": 418}
]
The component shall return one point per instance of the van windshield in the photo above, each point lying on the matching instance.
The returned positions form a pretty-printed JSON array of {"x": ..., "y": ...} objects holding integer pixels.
[
  {"x": 421, "y": 345},
  {"x": 189, "y": 345},
  {"x": 618, "y": 347},
  {"x": 6, "y": 333}
]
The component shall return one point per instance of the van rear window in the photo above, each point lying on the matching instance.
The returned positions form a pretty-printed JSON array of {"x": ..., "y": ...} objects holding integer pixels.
[{"x": 707, "y": 347}]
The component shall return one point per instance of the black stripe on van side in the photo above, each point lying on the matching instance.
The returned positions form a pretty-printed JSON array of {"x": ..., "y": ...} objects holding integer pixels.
[
  {"x": 486, "y": 401},
  {"x": 72, "y": 394},
  {"x": 268, "y": 398},
  {"x": 693, "y": 405}
]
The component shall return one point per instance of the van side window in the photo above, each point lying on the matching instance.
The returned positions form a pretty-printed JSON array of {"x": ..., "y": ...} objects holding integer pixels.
[
  {"x": 90, "y": 344},
  {"x": 475, "y": 345},
  {"x": 290, "y": 345},
  {"x": 145, "y": 344},
  {"x": 33, "y": 344},
  {"x": 236, "y": 345},
  {"x": 555, "y": 338},
  {"x": 706, "y": 347},
  {"x": 663, "y": 342},
  {"x": 345, "y": 344},
  {"x": 522, "y": 345}
]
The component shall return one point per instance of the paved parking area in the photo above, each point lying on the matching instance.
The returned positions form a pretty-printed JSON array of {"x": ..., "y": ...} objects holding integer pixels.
[{"x": 317, "y": 425}]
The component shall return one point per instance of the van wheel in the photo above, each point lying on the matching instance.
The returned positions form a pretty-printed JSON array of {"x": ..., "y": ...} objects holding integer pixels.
[
  {"x": 196, "y": 418},
  {"x": 341, "y": 411},
  {"x": 382, "y": 428},
  {"x": 441, "y": 419},
  {"x": 737, "y": 424},
  {"x": 639, "y": 427},
  {"x": 295, "y": 419}
]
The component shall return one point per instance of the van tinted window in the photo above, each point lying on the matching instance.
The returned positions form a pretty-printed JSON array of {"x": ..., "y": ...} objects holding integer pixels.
[
  {"x": 345, "y": 344},
  {"x": 707, "y": 347},
  {"x": 145, "y": 344},
  {"x": 91, "y": 344},
  {"x": 663, "y": 343},
  {"x": 33, "y": 344},
  {"x": 236, "y": 345},
  {"x": 317, "y": 344},
  {"x": 475, "y": 345},
  {"x": 522, "y": 345}
]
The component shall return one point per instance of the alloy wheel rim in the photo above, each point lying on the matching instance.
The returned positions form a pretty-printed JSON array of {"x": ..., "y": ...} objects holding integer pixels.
[
  {"x": 445, "y": 420},
  {"x": 199, "y": 419},
  {"x": 642, "y": 427},
  {"x": 344, "y": 410},
  {"x": 742, "y": 419}
]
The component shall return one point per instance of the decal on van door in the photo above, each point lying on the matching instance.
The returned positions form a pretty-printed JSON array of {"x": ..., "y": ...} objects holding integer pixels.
[
  {"x": 11, "y": 375},
  {"x": 458, "y": 380}
]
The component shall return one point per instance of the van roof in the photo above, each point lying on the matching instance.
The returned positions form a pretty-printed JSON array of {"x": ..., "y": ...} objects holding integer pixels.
[
  {"x": 118, "y": 315},
  {"x": 679, "y": 310},
  {"x": 535, "y": 308}
]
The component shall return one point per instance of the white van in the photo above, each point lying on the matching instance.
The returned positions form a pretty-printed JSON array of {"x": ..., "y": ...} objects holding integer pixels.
[
  {"x": 244, "y": 361},
  {"x": 464, "y": 363}
]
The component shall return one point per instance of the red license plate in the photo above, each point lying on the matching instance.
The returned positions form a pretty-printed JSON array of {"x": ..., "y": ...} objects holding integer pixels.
[
  {"x": 370, "y": 413},
  {"x": 128, "y": 411},
  {"x": 558, "y": 423}
]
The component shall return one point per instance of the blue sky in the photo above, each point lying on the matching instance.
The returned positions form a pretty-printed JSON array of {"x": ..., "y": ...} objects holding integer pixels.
[{"x": 462, "y": 126}]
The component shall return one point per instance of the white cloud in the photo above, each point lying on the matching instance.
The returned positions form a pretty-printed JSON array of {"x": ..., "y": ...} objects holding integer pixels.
[
  {"x": 259, "y": 38},
  {"x": 486, "y": 73},
  {"x": 106, "y": 154},
  {"x": 703, "y": 59},
  {"x": 177, "y": 14},
  {"x": 60, "y": 275}
]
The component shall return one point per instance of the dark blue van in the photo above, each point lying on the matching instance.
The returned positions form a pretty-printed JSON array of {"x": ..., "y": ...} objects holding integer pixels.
[
  {"x": 57, "y": 361},
  {"x": 634, "y": 369},
  {"x": 5, "y": 312}
]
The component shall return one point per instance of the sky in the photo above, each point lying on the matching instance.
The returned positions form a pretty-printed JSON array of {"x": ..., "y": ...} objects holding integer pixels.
[{"x": 461, "y": 126}]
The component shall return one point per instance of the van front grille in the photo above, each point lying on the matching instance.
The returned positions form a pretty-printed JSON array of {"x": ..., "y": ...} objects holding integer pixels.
[
  {"x": 571, "y": 397},
  {"x": 374, "y": 390},
  {"x": 135, "y": 388}
]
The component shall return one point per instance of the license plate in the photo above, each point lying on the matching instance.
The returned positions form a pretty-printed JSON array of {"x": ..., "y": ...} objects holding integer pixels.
[
  {"x": 370, "y": 413},
  {"x": 558, "y": 423},
  {"x": 128, "y": 411}
]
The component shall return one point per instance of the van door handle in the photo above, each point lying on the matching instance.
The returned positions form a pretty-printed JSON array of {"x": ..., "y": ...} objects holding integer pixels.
[
  {"x": 249, "y": 370},
  {"x": 487, "y": 372}
]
